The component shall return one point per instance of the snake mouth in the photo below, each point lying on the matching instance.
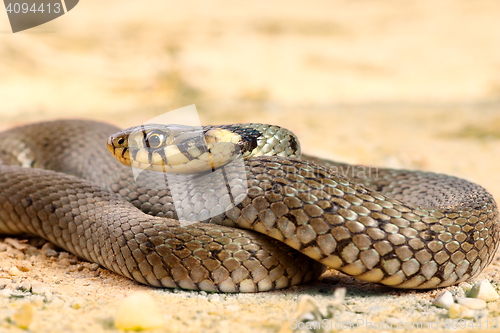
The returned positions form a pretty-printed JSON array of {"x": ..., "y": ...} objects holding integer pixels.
[{"x": 172, "y": 159}]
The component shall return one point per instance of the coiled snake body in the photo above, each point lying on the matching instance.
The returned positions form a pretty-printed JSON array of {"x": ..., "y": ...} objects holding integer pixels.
[{"x": 405, "y": 229}]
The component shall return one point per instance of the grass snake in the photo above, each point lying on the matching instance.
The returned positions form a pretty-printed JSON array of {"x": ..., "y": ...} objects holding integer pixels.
[{"x": 405, "y": 229}]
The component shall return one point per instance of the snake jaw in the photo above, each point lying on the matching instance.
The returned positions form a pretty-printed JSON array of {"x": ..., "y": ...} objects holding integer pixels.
[{"x": 117, "y": 146}]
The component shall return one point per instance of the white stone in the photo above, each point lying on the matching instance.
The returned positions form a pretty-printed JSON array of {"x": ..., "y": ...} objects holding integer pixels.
[
  {"x": 459, "y": 311},
  {"x": 472, "y": 303},
  {"x": 443, "y": 300},
  {"x": 39, "y": 288},
  {"x": 138, "y": 311},
  {"x": 484, "y": 290}
]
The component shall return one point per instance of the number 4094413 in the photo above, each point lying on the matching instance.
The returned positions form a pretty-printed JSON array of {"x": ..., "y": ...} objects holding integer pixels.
[{"x": 25, "y": 8}]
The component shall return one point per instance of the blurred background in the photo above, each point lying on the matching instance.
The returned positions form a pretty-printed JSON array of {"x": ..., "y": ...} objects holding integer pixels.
[
  {"x": 412, "y": 84},
  {"x": 123, "y": 57}
]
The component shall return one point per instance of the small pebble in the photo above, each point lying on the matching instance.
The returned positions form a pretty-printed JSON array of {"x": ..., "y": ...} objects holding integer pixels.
[
  {"x": 484, "y": 290},
  {"x": 14, "y": 271},
  {"x": 39, "y": 288},
  {"x": 17, "y": 244},
  {"x": 443, "y": 300},
  {"x": 24, "y": 266},
  {"x": 49, "y": 250},
  {"x": 25, "y": 285},
  {"x": 51, "y": 253},
  {"x": 75, "y": 268},
  {"x": 459, "y": 311},
  {"x": 64, "y": 262},
  {"x": 92, "y": 266},
  {"x": 138, "y": 311},
  {"x": 23, "y": 316},
  {"x": 19, "y": 255},
  {"x": 472, "y": 303}
]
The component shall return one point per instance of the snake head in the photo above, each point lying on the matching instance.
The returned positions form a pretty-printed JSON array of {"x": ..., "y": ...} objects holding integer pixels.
[{"x": 174, "y": 148}]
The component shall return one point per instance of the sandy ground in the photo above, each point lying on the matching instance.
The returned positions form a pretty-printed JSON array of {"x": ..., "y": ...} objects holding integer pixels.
[{"x": 411, "y": 84}]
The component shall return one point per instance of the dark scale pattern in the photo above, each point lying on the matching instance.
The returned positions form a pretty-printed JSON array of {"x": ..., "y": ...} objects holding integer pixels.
[
  {"x": 249, "y": 137},
  {"x": 377, "y": 237},
  {"x": 399, "y": 228},
  {"x": 100, "y": 226},
  {"x": 263, "y": 139}
]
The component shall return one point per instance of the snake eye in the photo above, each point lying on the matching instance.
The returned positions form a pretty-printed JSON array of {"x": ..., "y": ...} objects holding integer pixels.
[{"x": 154, "y": 139}]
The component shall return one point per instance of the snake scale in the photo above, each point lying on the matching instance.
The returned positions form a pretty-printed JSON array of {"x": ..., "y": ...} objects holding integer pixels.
[{"x": 405, "y": 229}]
